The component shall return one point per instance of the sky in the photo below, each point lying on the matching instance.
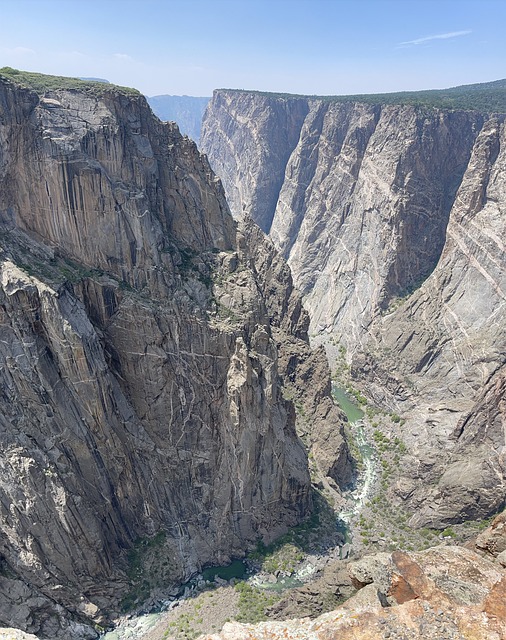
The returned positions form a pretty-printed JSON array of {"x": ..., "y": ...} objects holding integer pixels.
[{"x": 315, "y": 47}]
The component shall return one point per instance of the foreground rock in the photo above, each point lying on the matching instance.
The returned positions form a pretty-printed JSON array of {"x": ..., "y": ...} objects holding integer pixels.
[
  {"x": 144, "y": 355},
  {"x": 321, "y": 594},
  {"x": 444, "y": 592},
  {"x": 492, "y": 542}
]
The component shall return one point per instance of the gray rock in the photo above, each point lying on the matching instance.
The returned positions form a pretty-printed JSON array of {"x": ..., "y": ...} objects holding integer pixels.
[
  {"x": 392, "y": 219},
  {"x": 501, "y": 558},
  {"x": 143, "y": 354}
]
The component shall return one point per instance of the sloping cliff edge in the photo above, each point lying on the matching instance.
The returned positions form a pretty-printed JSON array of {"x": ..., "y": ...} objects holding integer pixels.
[{"x": 144, "y": 353}]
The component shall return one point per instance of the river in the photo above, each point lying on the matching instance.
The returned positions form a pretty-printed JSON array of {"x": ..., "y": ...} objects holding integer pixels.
[
  {"x": 365, "y": 483},
  {"x": 137, "y": 627}
]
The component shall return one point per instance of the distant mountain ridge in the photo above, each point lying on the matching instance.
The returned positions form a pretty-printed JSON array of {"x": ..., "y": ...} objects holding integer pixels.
[
  {"x": 186, "y": 111},
  {"x": 483, "y": 96}
]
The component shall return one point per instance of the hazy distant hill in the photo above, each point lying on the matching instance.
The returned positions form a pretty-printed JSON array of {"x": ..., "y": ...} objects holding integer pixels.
[{"x": 187, "y": 111}]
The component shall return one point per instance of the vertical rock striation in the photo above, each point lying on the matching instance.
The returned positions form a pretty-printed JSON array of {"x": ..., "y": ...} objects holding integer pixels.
[
  {"x": 448, "y": 341},
  {"x": 143, "y": 357},
  {"x": 362, "y": 197},
  {"x": 249, "y": 138}
]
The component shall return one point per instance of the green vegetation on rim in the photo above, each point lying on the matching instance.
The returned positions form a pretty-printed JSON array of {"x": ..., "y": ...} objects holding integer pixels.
[
  {"x": 41, "y": 83},
  {"x": 487, "y": 96}
]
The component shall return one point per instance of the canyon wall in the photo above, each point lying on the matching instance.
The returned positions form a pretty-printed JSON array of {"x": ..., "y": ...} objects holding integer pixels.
[
  {"x": 392, "y": 219},
  {"x": 359, "y": 195},
  {"x": 146, "y": 365}
]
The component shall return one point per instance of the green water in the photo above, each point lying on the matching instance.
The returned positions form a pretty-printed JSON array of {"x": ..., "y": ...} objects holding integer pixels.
[
  {"x": 281, "y": 584},
  {"x": 351, "y": 410},
  {"x": 236, "y": 569}
]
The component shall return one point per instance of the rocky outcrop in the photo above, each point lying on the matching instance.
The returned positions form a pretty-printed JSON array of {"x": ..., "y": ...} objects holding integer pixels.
[
  {"x": 392, "y": 218},
  {"x": 322, "y": 594},
  {"x": 306, "y": 379},
  {"x": 144, "y": 431},
  {"x": 492, "y": 541},
  {"x": 444, "y": 592}
]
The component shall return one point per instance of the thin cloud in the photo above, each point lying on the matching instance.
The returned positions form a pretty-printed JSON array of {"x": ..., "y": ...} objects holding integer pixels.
[
  {"x": 439, "y": 36},
  {"x": 123, "y": 56},
  {"x": 19, "y": 51}
]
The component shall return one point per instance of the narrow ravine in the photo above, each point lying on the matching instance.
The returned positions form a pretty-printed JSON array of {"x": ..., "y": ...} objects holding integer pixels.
[
  {"x": 143, "y": 625},
  {"x": 357, "y": 498}
]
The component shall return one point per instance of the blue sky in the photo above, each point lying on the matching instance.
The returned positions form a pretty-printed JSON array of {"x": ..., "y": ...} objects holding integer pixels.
[{"x": 296, "y": 46}]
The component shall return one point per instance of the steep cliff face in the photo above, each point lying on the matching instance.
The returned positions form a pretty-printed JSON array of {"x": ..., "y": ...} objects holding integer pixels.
[
  {"x": 141, "y": 409},
  {"x": 364, "y": 193},
  {"x": 392, "y": 220},
  {"x": 249, "y": 139},
  {"x": 448, "y": 341}
]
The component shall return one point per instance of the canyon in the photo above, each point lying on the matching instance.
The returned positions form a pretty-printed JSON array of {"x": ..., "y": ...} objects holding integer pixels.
[
  {"x": 165, "y": 392},
  {"x": 390, "y": 211}
]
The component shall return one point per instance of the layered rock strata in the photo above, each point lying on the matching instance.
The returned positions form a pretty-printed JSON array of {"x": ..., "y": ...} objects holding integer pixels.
[
  {"x": 448, "y": 343},
  {"x": 143, "y": 357}
]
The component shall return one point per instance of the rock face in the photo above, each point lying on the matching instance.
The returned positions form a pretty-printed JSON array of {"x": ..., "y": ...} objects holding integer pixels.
[
  {"x": 444, "y": 592},
  {"x": 249, "y": 139},
  {"x": 448, "y": 342},
  {"x": 143, "y": 358},
  {"x": 392, "y": 219},
  {"x": 358, "y": 198}
]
